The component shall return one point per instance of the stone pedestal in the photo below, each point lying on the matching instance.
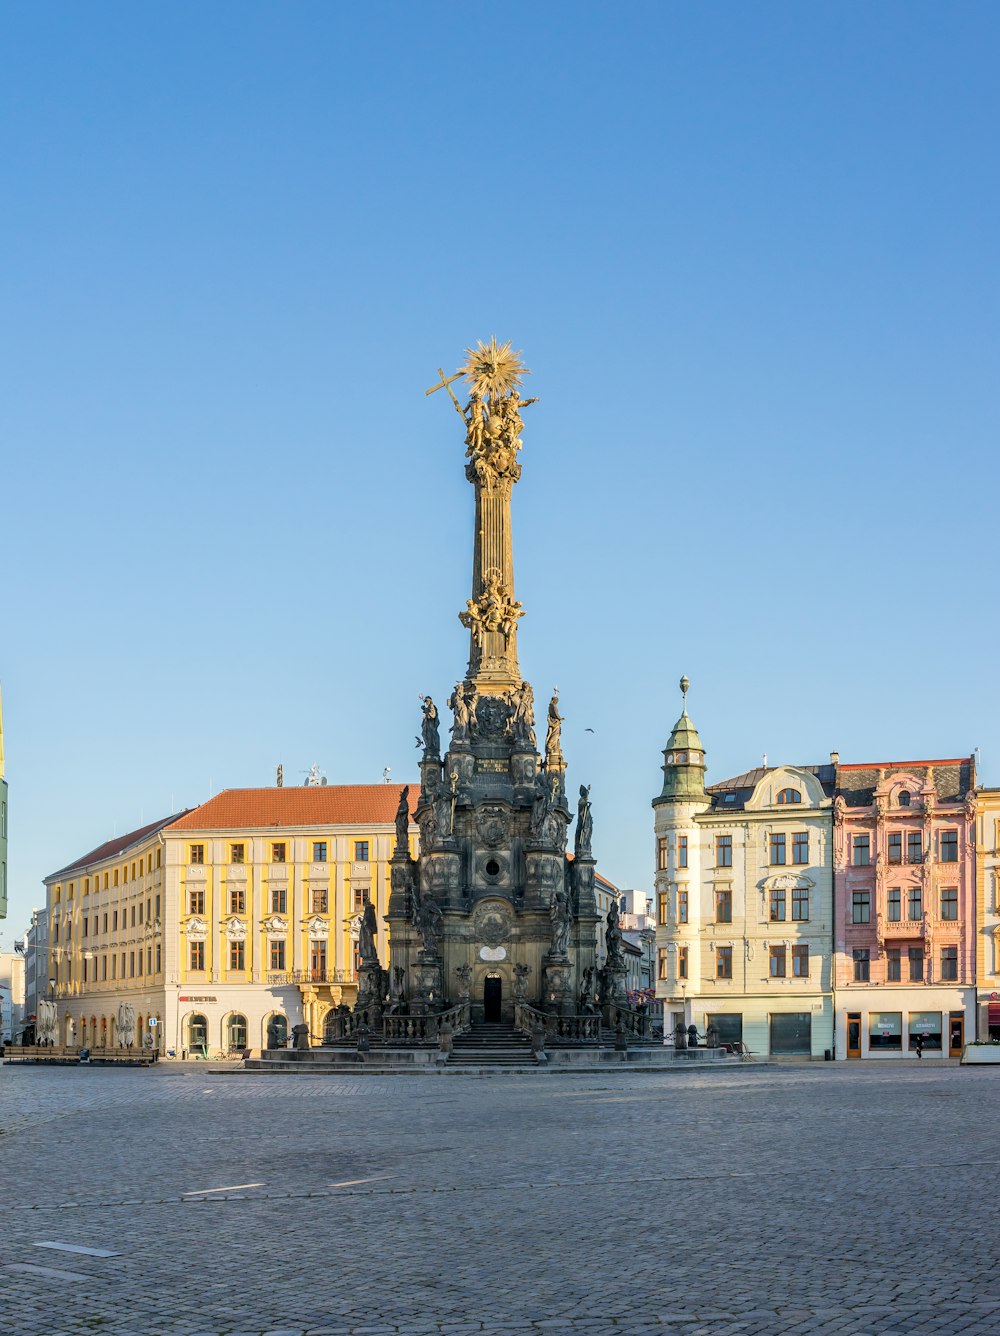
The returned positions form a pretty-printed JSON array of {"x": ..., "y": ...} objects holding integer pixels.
[
  {"x": 557, "y": 986},
  {"x": 427, "y": 993}
]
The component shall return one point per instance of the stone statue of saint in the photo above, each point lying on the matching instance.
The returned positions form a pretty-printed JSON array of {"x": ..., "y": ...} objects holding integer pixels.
[
  {"x": 559, "y": 918},
  {"x": 125, "y": 1025},
  {"x": 459, "y": 703},
  {"x": 429, "y": 925},
  {"x": 403, "y": 820},
  {"x": 586, "y": 1002},
  {"x": 429, "y": 728},
  {"x": 613, "y": 937},
  {"x": 522, "y": 702},
  {"x": 539, "y": 807},
  {"x": 553, "y": 730},
  {"x": 584, "y": 821},
  {"x": 367, "y": 929}
]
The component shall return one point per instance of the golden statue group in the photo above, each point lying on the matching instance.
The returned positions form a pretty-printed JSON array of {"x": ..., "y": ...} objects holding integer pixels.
[{"x": 494, "y": 921}]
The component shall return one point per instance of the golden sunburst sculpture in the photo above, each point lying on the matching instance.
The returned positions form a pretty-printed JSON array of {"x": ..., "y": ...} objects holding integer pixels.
[{"x": 492, "y": 369}]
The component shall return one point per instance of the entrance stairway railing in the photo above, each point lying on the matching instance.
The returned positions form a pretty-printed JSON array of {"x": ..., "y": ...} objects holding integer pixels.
[
  {"x": 399, "y": 1029},
  {"x": 565, "y": 1029}
]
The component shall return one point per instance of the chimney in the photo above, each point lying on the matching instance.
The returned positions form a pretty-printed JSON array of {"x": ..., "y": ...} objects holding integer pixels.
[{"x": 835, "y": 758}]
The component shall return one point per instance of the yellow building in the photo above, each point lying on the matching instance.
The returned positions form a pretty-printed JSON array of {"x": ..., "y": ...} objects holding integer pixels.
[
  {"x": 987, "y": 836},
  {"x": 220, "y": 928}
]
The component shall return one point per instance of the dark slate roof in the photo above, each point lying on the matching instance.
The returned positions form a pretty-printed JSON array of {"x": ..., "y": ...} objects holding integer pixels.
[
  {"x": 952, "y": 779},
  {"x": 112, "y": 848},
  {"x": 742, "y": 786}
]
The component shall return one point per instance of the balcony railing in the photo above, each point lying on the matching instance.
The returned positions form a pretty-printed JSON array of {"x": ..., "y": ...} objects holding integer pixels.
[{"x": 310, "y": 976}]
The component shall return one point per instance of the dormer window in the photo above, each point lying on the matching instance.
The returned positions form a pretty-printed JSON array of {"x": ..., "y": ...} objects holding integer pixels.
[
  {"x": 789, "y": 796},
  {"x": 904, "y": 798},
  {"x": 730, "y": 798}
]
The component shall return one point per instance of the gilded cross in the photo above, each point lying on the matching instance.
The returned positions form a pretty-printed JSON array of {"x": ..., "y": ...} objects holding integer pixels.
[{"x": 445, "y": 384}]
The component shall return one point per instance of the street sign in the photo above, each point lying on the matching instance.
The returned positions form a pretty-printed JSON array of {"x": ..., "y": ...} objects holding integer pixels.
[{"x": 153, "y": 1020}]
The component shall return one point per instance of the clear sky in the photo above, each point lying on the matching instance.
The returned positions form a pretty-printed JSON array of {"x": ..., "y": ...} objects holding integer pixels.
[{"x": 751, "y": 255}]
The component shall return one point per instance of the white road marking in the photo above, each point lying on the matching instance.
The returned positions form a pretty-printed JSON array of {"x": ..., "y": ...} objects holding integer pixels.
[
  {"x": 78, "y": 1248},
  {"x": 353, "y": 1182},
  {"x": 47, "y": 1271},
  {"x": 233, "y": 1187}
]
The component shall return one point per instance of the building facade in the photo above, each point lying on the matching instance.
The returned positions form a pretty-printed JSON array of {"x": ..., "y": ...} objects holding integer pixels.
[
  {"x": 987, "y": 841},
  {"x": 744, "y": 901},
  {"x": 218, "y": 929},
  {"x": 905, "y": 908},
  {"x": 12, "y": 1009}
]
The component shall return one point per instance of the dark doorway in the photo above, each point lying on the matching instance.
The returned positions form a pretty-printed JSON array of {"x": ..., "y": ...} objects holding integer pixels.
[{"x": 492, "y": 992}]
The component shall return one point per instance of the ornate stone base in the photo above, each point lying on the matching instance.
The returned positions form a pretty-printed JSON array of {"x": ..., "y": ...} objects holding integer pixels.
[{"x": 557, "y": 986}]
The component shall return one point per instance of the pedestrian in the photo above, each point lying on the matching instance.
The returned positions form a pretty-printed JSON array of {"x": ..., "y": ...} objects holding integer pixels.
[{"x": 918, "y": 1044}]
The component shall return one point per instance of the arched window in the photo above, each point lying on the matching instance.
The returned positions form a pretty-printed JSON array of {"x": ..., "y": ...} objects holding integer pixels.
[
  {"x": 236, "y": 1033},
  {"x": 198, "y": 1034},
  {"x": 789, "y": 796},
  {"x": 330, "y": 1028},
  {"x": 276, "y": 1031},
  {"x": 904, "y": 798}
]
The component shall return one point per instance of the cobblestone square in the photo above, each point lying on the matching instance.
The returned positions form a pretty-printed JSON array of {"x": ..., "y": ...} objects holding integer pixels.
[{"x": 807, "y": 1198}]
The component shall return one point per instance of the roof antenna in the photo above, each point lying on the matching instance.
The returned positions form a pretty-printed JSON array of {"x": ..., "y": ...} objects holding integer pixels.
[{"x": 765, "y": 760}]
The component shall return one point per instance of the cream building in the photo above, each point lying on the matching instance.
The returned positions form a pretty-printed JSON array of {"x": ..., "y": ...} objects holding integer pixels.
[
  {"x": 222, "y": 927},
  {"x": 744, "y": 901},
  {"x": 987, "y": 838}
]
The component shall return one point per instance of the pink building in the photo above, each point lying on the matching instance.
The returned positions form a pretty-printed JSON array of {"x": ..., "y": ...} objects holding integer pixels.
[{"x": 904, "y": 908}]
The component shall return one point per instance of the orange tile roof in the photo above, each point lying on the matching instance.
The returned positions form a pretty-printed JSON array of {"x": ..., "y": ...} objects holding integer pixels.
[{"x": 313, "y": 805}]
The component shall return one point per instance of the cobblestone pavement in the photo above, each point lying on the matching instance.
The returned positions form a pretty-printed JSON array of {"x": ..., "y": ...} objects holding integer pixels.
[{"x": 829, "y": 1200}]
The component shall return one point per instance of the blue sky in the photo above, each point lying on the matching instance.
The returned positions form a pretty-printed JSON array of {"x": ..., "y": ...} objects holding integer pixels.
[{"x": 751, "y": 255}]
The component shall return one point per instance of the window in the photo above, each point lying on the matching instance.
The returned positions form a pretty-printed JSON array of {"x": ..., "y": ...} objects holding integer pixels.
[
  {"x": 682, "y": 851},
  {"x": 197, "y": 955},
  {"x": 319, "y": 902},
  {"x": 133, "y": 916},
  {"x": 104, "y": 967},
  {"x": 361, "y": 897},
  {"x": 682, "y": 962},
  {"x": 159, "y": 963},
  {"x": 196, "y": 903},
  {"x": 776, "y": 962},
  {"x": 895, "y": 846},
  {"x": 885, "y": 1031},
  {"x": 114, "y": 967},
  {"x": 789, "y": 796},
  {"x": 895, "y": 904},
  {"x": 237, "y": 900},
  {"x": 861, "y": 854},
  {"x": 926, "y": 1024},
  {"x": 139, "y": 963},
  {"x": 319, "y": 851},
  {"x": 778, "y": 847},
  {"x": 893, "y": 965},
  {"x": 723, "y": 906},
  {"x": 800, "y": 962},
  {"x": 197, "y": 854},
  {"x": 279, "y": 900},
  {"x": 862, "y": 963},
  {"x": 361, "y": 851},
  {"x": 800, "y": 847},
  {"x": 661, "y": 855},
  {"x": 661, "y": 907},
  {"x": 278, "y": 852},
  {"x": 86, "y": 921},
  {"x": 914, "y": 853},
  {"x": 861, "y": 907},
  {"x": 105, "y": 921},
  {"x": 800, "y": 903},
  {"x": 157, "y": 906},
  {"x": 114, "y": 922},
  {"x": 949, "y": 962},
  {"x": 915, "y": 956},
  {"x": 277, "y": 954},
  {"x": 317, "y": 960},
  {"x": 914, "y": 904},
  {"x": 661, "y": 963},
  {"x": 949, "y": 903},
  {"x": 723, "y": 962},
  {"x": 723, "y": 851},
  {"x": 149, "y": 960},
  {"x": 904, "y": 798},
  {"x": 682, "y": 906},
  {"x": 949, "y": 846},
  {"x": 777, "y": 905},
  {"x": 237, "y": 853},
  {"x": 237, "y": 956}
]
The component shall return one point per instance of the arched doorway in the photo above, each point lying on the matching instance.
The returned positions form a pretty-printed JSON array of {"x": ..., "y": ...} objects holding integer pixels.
[
  {"x": 492, "y": 998},
  {"x": 236, "y": 1033},
  {"x": 198, "y": 1035}
]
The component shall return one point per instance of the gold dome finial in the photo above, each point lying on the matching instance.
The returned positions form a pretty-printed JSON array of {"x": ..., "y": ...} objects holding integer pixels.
[{"x": 685, "y": 686}]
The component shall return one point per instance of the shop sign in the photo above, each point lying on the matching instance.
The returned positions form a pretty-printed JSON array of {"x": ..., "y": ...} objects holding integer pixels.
[{"x": 191, "y": 998}]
